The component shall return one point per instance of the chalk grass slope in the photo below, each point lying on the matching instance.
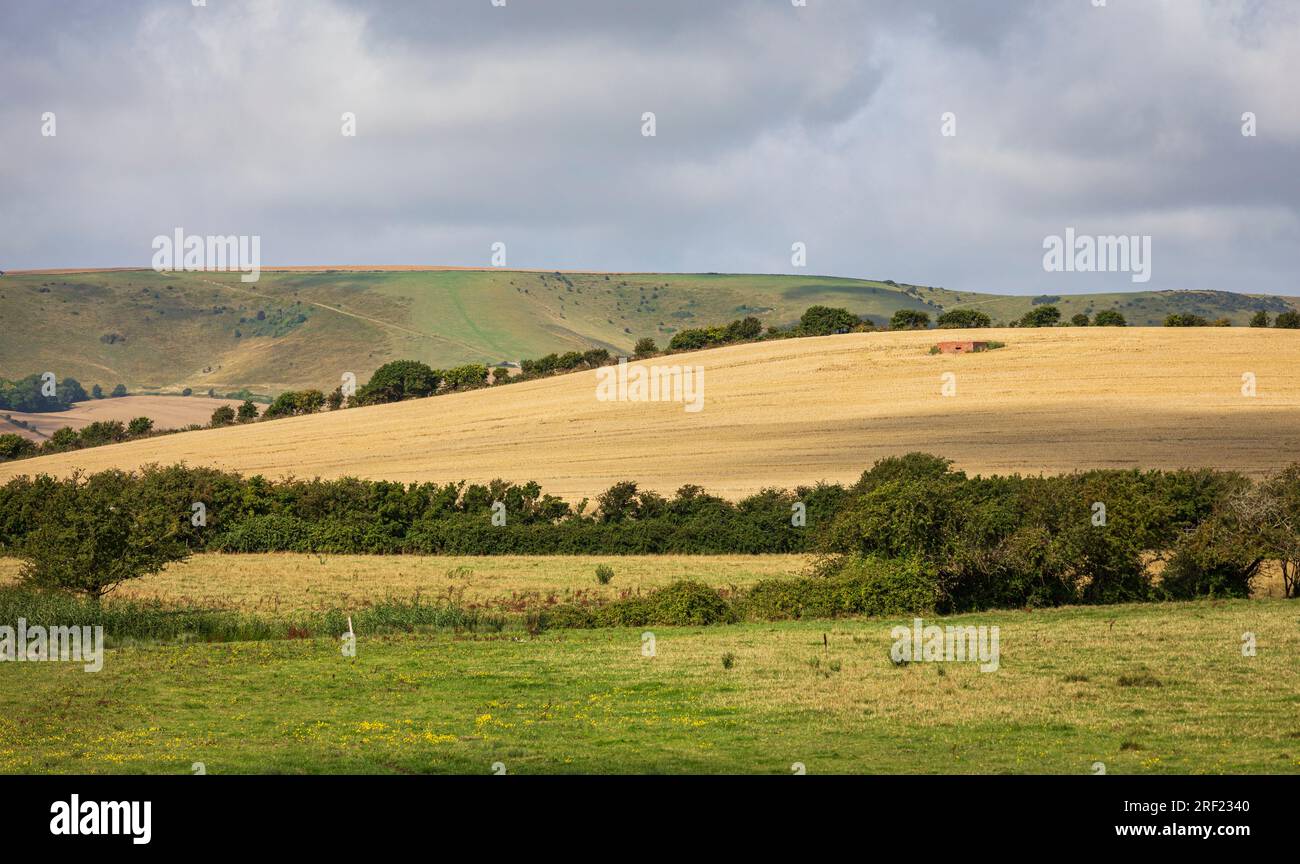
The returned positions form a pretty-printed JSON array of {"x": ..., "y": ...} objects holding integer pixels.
[
  {"x": 166, "y": 331},
  {"x": 796, "y": 411}
]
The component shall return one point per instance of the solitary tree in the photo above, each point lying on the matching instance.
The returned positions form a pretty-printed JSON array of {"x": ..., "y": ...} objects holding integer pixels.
[
  {"x": 1079, "y": 320},
  {"x": 223, "y": 416},
  {"x": 398, "y": 380},
  {"x": 645, "y": 347},
  {"x": 1109, "y": 318},
  {"x": 909, "y": 319},
  {"x": 247, "y": 412},
  {"x": 93, "y": 533},
  {"x": 1041, "y": 316},
  {"x": 1267, "y": 516},
  {"x": 825, "y": 320},
  {"x": 15, "y": 447},
  {"x": 963, "y": 319}
]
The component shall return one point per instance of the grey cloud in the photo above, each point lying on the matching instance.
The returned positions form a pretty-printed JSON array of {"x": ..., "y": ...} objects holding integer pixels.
[{"x": 776, "y": 124}]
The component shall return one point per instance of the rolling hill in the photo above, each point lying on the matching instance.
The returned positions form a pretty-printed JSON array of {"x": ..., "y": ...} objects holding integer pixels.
[
  {"x": 304, "y": 327},
  {"x": 790, "y": 412}
]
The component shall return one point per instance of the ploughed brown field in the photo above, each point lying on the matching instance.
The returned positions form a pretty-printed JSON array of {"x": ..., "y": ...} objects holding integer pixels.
[{"x": 793, "y": 412}]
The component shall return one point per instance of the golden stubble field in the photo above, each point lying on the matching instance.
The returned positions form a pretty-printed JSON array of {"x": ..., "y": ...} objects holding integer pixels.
[
  {"x": 167, "y": 412},
  {"x": 287, "y": 582},
  {"x": 798, "y": 411}
]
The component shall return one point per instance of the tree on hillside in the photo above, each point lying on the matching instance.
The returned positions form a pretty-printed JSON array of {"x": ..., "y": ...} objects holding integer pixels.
[
  {"x": 1109, "y": 318},
  {"x": 93, "y": 533},
  {"x": 295, "y": 403},
  {"x": 474, "y": 375},
  {"x": 909, "y": 319},
  {"x": 1289, "y": 320},
  {"x": 1259, "y": 319},
  {"x": 64, "y": 438},
  {"x": 693, "y": 339},
  {"x": 119, "y": 390},
  {"x": 26, "y": 394},
  {"x": 101, "y": 432},
  {"x": 963, "y": 319},
  {"x": 247, "y": 412},
  {"x": 96, "y": 392},
  {"x": 1185, "y": 319},
  {"x": 69, "y": 390},
  {"x": 223, "y": 416},
  {"x": 1079, "y": 320},
  {"x": 139, "y": 427},
  {"x": 744, "y": 330},
  {"x": 398, "y": 380},
  {"x": 825, "y": 320},
  {"x": 15, "y": 447},
  {"x": 1040, "y": 316}
]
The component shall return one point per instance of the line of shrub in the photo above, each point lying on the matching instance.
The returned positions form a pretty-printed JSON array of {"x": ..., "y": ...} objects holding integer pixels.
[{"x": 990, "y": 542}]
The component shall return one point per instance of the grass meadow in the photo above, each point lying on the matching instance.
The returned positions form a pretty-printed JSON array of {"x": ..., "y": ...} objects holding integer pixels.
[{"x": 1146, "y": 688}]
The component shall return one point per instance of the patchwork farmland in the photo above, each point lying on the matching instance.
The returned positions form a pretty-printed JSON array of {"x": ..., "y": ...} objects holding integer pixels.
[
  {"x": 705, "y": 662},
  {"x": 796, "y": 411}
]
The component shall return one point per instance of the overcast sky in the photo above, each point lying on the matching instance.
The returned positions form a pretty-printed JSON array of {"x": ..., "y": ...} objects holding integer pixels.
[{"x": 775, "y": 124}]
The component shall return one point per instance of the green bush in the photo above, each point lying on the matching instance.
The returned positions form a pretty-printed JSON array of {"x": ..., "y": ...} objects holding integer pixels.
[
  {"x": 91, "y": 533},
  {"x": 825, "y": 320},
  {"x": 963, "y": 319},
  {"x": 1040, "y": 316},
  {"x": 13, "y": 446},
  {"x": 1180, "y": 319},
  {"x": 398, "y": 380},
  {"x": 1212, "y": 561},
  {"x": 862, "y": 586},
  {"x": 909, "y": 319}
]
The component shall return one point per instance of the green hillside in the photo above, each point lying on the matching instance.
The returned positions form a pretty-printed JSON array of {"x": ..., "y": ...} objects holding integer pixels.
[{"x": 165, "y": 331}]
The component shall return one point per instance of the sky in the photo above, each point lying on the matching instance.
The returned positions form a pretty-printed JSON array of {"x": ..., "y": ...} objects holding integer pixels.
[{"x": 774, "y": 124}]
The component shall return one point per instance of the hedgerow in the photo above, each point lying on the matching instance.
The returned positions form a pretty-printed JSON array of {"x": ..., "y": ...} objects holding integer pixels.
[{"x": 910, "y": 533}]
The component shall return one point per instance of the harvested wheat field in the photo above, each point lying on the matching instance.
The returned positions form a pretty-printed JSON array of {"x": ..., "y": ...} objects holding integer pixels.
[
  {"x": 796, "y": 411},
  {"x": 287, "y": 582},
  {"x": 167, "y": 412}
]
